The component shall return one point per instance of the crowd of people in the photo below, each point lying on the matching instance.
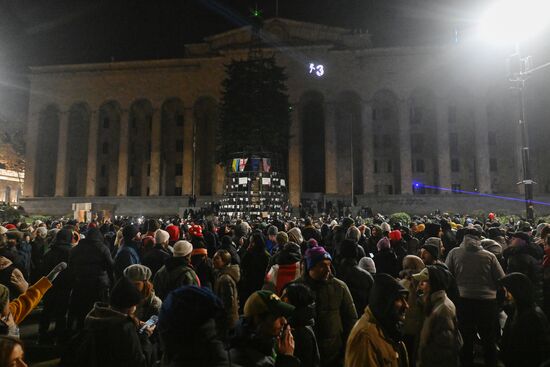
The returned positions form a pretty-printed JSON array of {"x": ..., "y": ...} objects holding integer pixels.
[{"x": 436, "y": 291}]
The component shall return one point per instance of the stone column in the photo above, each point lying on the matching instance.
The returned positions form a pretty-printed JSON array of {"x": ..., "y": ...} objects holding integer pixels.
[
  {"x": 483, "y": 173},
  {"x": 368, "y": 150},
  {"x": 443, "y": 149},
  {"x": 91, "y": 171},
  {"x": 187, "y": 152},
  {"x": 154, "y": 174},
  {"x": 295, "y": 159},
  {"x": 61, "y": 176},
  {"x": 31, "y": 149},
  {"x": 405, "y": 146},
  {"x": 331, "y": 183},
  {"x": 122, "y": 182}
]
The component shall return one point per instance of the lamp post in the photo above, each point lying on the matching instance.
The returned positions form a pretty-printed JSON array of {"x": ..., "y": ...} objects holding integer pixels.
[{"x": 515, "y": 21}]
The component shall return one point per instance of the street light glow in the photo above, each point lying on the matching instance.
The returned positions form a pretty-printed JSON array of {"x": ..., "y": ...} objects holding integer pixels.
[{"x": 514, "y": 20}]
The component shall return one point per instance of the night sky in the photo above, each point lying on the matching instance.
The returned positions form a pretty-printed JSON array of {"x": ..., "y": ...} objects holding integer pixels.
[{"x": 73, "y": 31}]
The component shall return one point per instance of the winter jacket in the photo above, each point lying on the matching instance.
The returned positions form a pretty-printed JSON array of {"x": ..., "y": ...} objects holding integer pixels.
[
  {"x": 127, "y": 254},
  {"x": 204, "y": 269},
  {"x": 225, "y": 287},
  {"x": 309, "y": 232},
  {"x": 520, "y": 260},
  {"x": 91, "y": 261},
  {"x": 249, "y": 349},
  {"x": 22, "y": 306},
  {"x": 148, "y": 307},
  {"x": 156, "y": 258},
  {"x": 336, "y": 316},
  {"x": 116, "y": 339},
  {"x": 440, "y": 340},
  {"x": 212, "y": 242},
  {"x": 386, "y": 262},
  {"x": 253, "y": 269},
  {"x": 58, "y": 252},
  {"x": 176, "y": 273},
  {"x": 306, "y": 348},
  {"x": 359, "y": 282},
  {"x": 476, "y": 270},
  {"x": 280, "y": 275},
  {"x": 369, "y": 346}
]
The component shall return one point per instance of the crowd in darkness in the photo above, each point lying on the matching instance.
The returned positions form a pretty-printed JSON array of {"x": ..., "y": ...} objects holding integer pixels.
[{"x": 439, "y": 290}]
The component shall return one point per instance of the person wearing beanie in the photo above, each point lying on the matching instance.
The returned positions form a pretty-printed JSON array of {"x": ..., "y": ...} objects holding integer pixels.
[
  {"x": 159, "y": 254},
  {"x": 174, "y": 232},
  {"x": 202, "y": 265},
  {"x": 147, "y": 241},
  {"x": 225, "y": 287},
  {"x": 129, "y": 253},
  {"x": 150, "y": 304},
  {"x": 187, "y": 329},
  {"x": 477, "y": 272},
  {"x": 386, "y": 259},
  {"x": 295, "y": 235},
  {"x": 285, "y": 269},
  {"x": 262, "y": 336},
  {"x": 358, "y": 280},
  {"x": 429, "y": 252},
  {"x": 177, "y": 271},
  {"x": 376, "y": 339},
  {"x": 440, "y": 341},
  {"x": 526, "y": 335},
  {"x": 310, "y": 232},
  {"x": 335, "y": 309},
  {"x": 56, "y": 301},
  {"x": 520, "y": 258},
  {"x": 367, "y": 263},
  {"x": 91, "y": 266},
  {"x": 112, "y": 329}
]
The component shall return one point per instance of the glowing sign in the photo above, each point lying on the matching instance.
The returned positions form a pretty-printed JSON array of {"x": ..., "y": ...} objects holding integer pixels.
[{"x": 318, "y": 70}]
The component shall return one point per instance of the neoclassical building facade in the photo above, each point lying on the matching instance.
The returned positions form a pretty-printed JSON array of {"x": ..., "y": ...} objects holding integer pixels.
[{"x": 364, "y": 119}]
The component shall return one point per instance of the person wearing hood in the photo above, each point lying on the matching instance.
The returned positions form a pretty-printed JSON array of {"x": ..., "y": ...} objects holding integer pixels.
[
  {"x": 494, "y": 247},
  {"x": 253, "y": 266},
  {"x": 358, "y": 280},
  {"x": 302, "y": 321},
  {"x": 295, "y": 235},
  {"x": 285, "y": 270},
  {"x": 263, "y": 338},
  {"x": 158, "y": 255},
  {"x": 187, "y": 329},
  {"x": 228, "y": 245},
  {"x": 386, "y": 259},
  {"x": 113, "y": 337},
  {"x": 526, "y": 335},
  {"x": 334, "y": 306},
  {"x": 440, "y": 340},
  {"x": 376, "y": 339},
  {"x": 520, "y": 259},
  {"x": 225, "y": 287},
  {"x": 128, "y": 253},
  {"x": 92, "y": 268},
  {"x": 177, "y": 271},
  {"x": 56, "y": 301},
  {"x": 477, "y": 273}
]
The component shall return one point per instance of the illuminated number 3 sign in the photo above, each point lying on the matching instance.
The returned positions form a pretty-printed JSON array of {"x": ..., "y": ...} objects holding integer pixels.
[{"x": 318, "y": 70}]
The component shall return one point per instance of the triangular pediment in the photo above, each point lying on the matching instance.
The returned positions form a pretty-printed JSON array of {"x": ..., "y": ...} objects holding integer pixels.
[{"x": 282, "y": 32}]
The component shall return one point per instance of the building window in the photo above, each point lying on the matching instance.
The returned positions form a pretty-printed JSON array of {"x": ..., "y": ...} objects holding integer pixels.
[
  {"x": 148, "y": 192},
  {"x": 389, "y": 167},
  {"x": 452, "y": 115},
  {"x": 419, "y": 190},
  {"x": 417, "y": 141},
  {"x": 375, "y": 166},
  {"x": 453, "y": 143},
  {"x": 179, "y": 145},
  {"x": 389, "y": 189},
  {"x": 179, "y": 169},
  {"x": 456, "y": 188},
  {"x": 105, "y": 148},
  {"x": 418, "y": 165},
  {"x": 455, "y": 165},
  {"x": 179, "y": 120},
  {"x": 102, "y": 191},
  {"x": 103, "y": 170},
  {"x": 177, "y": 191},
  {"x": 105, "y": 122},
  {"x": 493, "y": 166},
  {"x": 492, "y": 136}
]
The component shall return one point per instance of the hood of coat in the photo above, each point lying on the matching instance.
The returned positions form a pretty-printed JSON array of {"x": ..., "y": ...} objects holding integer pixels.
[
  {"x": 102, "y": 317},
  {"x": 521, "y": 289},
  {"x": 471, "y": 243},
  {"x": 234, "y": 271}
]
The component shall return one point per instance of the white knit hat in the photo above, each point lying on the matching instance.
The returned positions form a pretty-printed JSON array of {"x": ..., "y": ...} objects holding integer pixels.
[
  {"x": 182, "y": 248},
  {"x": 42, "y": 232},
  {"x": 161, "y": 236},
  {"x": 3, "y": 230}
]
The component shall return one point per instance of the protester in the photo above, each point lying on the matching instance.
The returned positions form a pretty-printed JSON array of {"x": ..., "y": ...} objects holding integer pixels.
[
  {"x": 359, "y": 281},
  {"x": 385, "y": 259},
  {"x": 150, "y": 304},
  {"x": 202, "y": 265},
  {"x": 177, "y": 271},
  {"x": 253, "y": 266},
  {"x": 157, "y": 256},
  {"x": 286, "y": 268},
  {"x": 225, "y": 287},
  {"x": 128, "y": 253},
  {"x": 11, "y": 352},
  {"x": 375, "y": 340}
]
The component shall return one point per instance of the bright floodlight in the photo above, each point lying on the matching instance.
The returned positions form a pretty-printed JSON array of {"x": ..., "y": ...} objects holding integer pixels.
[{"x": 514, "y": 20}]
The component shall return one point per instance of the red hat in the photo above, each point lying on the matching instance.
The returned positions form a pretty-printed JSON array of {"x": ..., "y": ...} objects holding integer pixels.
[
  {"x": 195, "y": 230},
  {"x": 174, "y": 232},
  {"x": 491, "y": 216},
  {"x": 10, "y": 226},
  {"x": 395, "y": 235}
]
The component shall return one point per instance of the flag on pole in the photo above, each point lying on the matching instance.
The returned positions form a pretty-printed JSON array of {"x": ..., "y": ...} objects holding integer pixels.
[
  {"x": 242, "y": 164},
  {"x": 234, "y": 165},
  {"x": 266, "y": 163}
]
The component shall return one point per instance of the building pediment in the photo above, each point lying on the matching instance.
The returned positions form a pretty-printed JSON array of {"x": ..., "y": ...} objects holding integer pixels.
[{"x": 281, "y": 32}]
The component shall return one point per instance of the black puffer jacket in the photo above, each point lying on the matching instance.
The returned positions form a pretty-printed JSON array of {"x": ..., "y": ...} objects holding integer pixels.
[
  {"x": 358, "y": 281},
  {"x": 156, "y": 258},
  {"x": 91, "y": 261},
  {"x": 519, "y": 259}
]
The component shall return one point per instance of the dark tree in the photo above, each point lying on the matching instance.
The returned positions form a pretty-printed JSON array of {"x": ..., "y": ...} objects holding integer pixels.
[{"x": 254, "y": 111}]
